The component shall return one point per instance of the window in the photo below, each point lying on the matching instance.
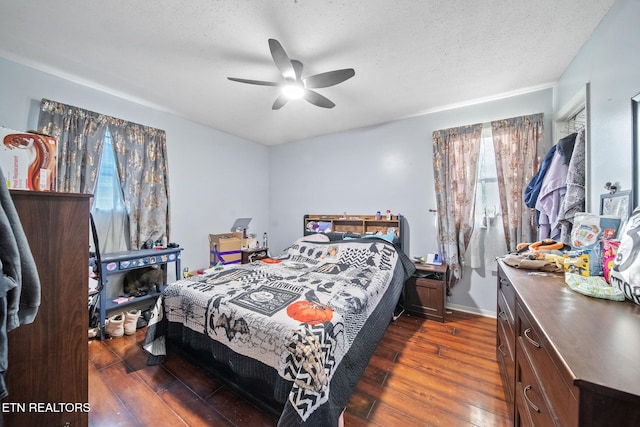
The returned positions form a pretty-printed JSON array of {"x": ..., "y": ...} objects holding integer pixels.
[
  {"x": 487, "y": 195},
  {"x": 487, "y": 240},
  {"x": 107, "y": 194},
  {"x": 108, "y": 210}
]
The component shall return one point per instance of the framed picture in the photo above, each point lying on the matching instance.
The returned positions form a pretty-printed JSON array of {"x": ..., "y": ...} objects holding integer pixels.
[{"x": 617, "y": 204}]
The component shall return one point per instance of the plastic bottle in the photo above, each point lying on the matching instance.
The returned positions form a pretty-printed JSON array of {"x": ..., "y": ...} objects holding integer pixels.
[
  {"x": 388, "y": 215},
  {"x": 265, "y": 242},
  {"x": 378, "y": 216}
]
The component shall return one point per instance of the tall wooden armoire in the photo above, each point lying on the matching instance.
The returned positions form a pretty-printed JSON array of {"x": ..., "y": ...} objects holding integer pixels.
[{"x": 47, "y": 376}]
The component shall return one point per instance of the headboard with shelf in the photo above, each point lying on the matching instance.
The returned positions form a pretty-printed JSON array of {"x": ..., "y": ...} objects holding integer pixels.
[{"x": 342, "y": 226}]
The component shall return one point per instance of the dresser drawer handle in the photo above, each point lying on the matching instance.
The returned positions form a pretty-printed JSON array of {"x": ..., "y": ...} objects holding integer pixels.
[
  {"x": 501, "y": 350},
  {"x": 529, "y": 402},
  {"x": 502, "y": 315},
  {"x": 526, "y": 335}
]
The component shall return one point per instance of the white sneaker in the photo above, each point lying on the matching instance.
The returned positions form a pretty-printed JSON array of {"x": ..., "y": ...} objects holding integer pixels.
[
  {"x": 114, "y": 326},
  {"x": 131, "y": 321}
]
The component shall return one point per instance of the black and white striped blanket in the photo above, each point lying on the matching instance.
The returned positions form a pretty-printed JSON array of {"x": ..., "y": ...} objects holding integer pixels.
[{"x": 314, "y": 315}]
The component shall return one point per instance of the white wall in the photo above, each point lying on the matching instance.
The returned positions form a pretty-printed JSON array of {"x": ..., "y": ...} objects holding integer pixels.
[
  {"x": 610, "y": 62},
  {"x": 213, "y": 177},
  {"x": 385, "y": 167},
  {"x": 393, "y": 161}
]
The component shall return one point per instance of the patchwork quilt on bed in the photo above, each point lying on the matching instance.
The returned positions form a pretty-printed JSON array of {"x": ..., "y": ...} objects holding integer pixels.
[{"x": 300, "y": 314}]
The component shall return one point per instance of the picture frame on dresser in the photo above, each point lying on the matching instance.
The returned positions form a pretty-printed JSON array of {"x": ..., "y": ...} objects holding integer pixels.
[{"x": 618, "y": 204}]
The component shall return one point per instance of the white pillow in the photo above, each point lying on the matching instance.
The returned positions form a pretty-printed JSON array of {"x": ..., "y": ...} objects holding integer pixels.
[{"x": 313, "y": 238}]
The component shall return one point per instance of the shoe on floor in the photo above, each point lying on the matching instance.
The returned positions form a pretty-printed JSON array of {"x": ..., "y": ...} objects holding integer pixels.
[
  {"x": 141, "y": 322},
  {"x": 131, "y": 321},
  {"x": 114, "y": 326}
]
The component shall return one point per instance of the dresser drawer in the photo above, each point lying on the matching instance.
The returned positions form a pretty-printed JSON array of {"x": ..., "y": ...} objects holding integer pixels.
[
  {"x": 556, "y": 380},
  {"x": 506, "y": 288},
  {"x": 506, "y": 326},
  {"x": 506, "y": 363},
  {"x": 531, "y": 406}
]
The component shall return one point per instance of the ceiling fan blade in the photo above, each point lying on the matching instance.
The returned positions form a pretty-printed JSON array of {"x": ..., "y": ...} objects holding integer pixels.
[
  {"x": 297, "y": 68},
  {"x": 279, "y": 102},
  {"x": 329, "y": 78},
  {"x": 316, "y": 99},
  {"x": 281, "y": 59},
  {"x": 253, "y": 82}
]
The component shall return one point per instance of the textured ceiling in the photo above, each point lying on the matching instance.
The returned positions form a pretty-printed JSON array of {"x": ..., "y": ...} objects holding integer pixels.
[{"x": 410, "y": 56}]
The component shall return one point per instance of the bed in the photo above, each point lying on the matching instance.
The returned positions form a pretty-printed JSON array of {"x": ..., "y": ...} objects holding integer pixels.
[{"x": 303, "y": 325}]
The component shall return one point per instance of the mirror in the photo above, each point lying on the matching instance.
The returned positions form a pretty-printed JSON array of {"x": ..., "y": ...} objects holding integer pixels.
[{"x": 635, "y": 108}]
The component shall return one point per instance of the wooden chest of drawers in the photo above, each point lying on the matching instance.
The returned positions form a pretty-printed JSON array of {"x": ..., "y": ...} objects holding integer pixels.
[{"x": 566, "y": 359}]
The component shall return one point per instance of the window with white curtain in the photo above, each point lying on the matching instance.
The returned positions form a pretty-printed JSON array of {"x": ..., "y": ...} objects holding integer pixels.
[
  {"x": 109, "y": 210},
  {"x": 107, "y": 194},
  {"x": 487, "y": 240}
]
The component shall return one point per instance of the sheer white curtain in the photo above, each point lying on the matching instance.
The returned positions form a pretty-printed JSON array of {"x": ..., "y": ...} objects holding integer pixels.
[
  {"x": 109, "y": 211},
  {"x": 487, "y": 240}
]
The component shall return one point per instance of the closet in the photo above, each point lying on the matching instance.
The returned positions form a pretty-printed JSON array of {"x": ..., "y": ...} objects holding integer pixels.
[
  {"x": 559, "y": 190},
  {"x": 47, "y": 376}
]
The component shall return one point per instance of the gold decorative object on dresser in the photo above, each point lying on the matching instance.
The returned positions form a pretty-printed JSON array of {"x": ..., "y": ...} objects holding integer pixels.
[
  {"x": 566, "y": 359},
  {"x": 48, "y": 359}
]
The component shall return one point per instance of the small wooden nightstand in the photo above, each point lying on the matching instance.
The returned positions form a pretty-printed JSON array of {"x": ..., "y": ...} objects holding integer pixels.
[
  {"x": 250, "y": 255},
  {"x": 426, "y": 290}
]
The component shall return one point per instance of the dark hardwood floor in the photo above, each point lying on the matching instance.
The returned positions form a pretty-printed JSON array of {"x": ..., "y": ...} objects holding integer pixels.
[{"x": 423, "y": 373}]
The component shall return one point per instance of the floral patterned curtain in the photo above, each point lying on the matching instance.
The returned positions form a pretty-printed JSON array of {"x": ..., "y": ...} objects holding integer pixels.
[
  {"x": 455, "y": 164},
  {"x": 141, "y": 154},
  {"x": 516, "y": 141},
  {"x": 140, "y": 157},
  {"x": 80, "y": 135}
]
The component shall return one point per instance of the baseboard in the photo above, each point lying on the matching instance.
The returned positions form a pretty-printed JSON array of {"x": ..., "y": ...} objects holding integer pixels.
[{"x": 472, "y": 310}]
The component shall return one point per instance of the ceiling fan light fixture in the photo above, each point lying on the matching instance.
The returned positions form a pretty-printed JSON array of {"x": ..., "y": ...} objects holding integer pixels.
[
  {"x": 296, "y": 87},
  {"x": 293, "y": 91}
]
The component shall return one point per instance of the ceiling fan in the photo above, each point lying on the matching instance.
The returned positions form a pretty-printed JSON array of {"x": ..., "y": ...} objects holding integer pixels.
[{"x": 294, "y": 86}]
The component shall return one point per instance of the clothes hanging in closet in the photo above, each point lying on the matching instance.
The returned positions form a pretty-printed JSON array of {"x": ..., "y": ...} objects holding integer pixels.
[
  {"x": 553, "y": 189},
  {"x": 574, "y": 198},
  {"x": 533, "y": 189}
]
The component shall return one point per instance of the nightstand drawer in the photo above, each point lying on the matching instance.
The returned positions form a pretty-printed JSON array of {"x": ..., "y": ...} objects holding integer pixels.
[
  {"x": 250, "y": 255},
  {"x": 425, "y": 292}
]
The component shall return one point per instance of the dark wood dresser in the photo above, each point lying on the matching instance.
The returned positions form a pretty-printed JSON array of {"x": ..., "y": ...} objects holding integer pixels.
[
  {"x": 566, "y": 359},
  {"x": 47, "y": 377}
]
